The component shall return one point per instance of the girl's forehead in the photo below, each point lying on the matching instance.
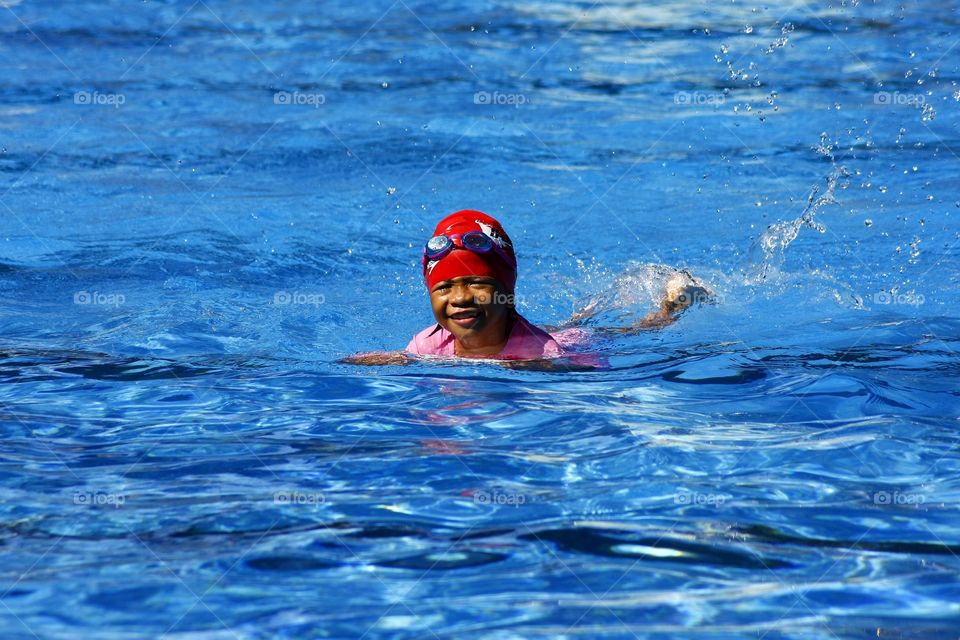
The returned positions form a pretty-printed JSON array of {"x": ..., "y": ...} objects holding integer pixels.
[
  {"x": 467, "y": 280},
  {"x": 470, "y": 279}
]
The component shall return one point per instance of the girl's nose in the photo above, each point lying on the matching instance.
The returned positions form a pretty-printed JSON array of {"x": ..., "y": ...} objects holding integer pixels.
[{"x": 461, "y": 293}]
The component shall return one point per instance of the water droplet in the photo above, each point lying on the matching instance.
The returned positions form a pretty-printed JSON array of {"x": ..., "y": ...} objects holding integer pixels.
[
  {"x": 391, "y": 191},
  {"x": 915, "y": 247},
  {"x": 748, "y": 29},
  {"x": 868, "y": 222},
  {"x": 384, "y": 84},
  {"x": 726, "y": 49},
  {"x": 883, "y": 189}
]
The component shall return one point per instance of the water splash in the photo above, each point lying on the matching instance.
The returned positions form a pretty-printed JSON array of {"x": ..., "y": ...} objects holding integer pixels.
[
  {"x": 633, "y": 293},
  {"x": 781, "y": 42},
  {"x": 769, "y": 250}
]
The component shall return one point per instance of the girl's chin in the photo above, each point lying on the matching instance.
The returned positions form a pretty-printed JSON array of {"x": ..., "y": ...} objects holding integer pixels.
[
  {"x": 474, "y": 334},
  {"x": 466, "y": 323},
  {"x": 469, "y": 336}
]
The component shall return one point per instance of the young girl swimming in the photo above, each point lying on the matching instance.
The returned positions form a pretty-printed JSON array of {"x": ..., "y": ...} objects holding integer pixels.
[{"x": 470, "y": 270}]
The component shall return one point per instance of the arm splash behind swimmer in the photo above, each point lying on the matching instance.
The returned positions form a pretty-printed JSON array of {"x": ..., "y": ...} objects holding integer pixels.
[{"x": 681, "y": 292}]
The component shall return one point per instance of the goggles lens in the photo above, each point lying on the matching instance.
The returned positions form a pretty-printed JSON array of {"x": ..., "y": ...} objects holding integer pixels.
[
  {"x": 439, "y": 246},
  {"x": 476, "y": 241}
]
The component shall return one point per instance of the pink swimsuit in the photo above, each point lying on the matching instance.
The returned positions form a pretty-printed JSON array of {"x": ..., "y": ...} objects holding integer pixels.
[{"x": 526, "y": 342}]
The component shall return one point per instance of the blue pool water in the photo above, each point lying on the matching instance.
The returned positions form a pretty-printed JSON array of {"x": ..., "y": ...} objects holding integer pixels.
[{"x": 205, "y": 205}]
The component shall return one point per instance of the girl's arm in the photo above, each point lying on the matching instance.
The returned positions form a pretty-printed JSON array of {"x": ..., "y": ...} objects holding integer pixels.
[
  {"x": 681, "y": 295},
  {"x": 682, "y": 292},
  {"x": 378, "y": 358}
]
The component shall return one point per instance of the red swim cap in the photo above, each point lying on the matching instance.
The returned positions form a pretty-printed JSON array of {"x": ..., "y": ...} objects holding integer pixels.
[{"x": 500, "y": 262}]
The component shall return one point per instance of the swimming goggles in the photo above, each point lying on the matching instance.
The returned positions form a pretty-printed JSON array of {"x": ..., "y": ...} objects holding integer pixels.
[{"x": 439, "y": 246}]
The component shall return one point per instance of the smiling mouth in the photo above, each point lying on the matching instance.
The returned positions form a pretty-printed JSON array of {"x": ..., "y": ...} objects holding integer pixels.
[{"x": 464, "y": 318}]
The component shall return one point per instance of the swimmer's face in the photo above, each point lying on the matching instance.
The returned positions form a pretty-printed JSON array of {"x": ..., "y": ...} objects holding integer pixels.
[{"x": 476, "y": 310}]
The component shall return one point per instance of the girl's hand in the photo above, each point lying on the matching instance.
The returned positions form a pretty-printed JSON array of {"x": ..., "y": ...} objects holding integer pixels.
[
  {"x": 378, "y": 358},
  {"x": 682, "y": 292}
]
